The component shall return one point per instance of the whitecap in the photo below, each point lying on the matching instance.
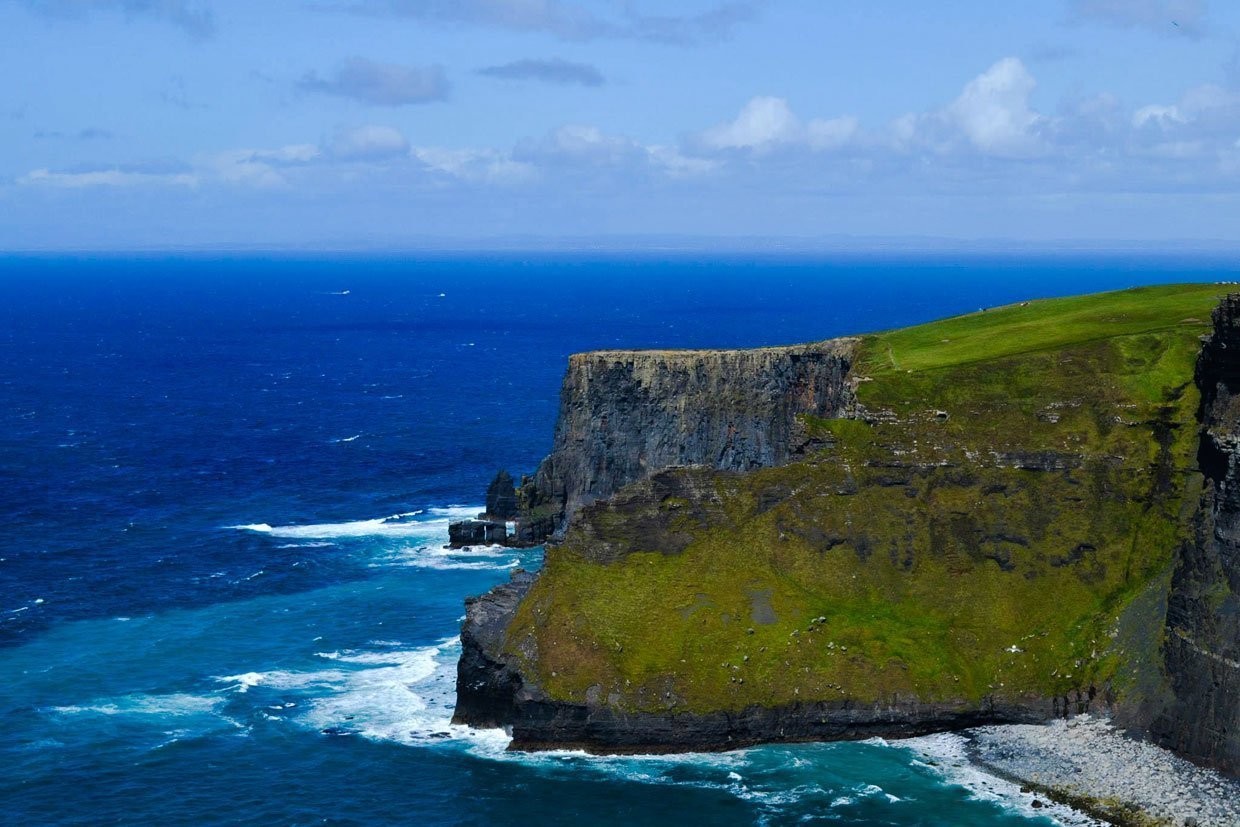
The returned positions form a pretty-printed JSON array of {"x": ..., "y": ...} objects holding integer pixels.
[
  {"x": 284, "y": 679},
  {"x": 401, "y": 695},
  {"x": 354, "y": 656},
  {"x": 346, "y": 439},
  {"x": 397, "y": 525},
  {"x": 440, "y": 564},
  {"x": 175, "y": 705},
  {"x": 243, "y": 681}
]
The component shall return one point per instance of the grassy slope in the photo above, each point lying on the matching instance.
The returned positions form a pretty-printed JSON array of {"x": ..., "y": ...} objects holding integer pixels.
[{"x": 911, "y": 557}]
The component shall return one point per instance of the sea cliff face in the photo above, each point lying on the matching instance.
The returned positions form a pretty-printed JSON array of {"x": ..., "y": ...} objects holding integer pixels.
[
  {"x": 1202, "y": 643},
  {"x": 626, "y": 414},
  {"x": 987, "y": 519}
]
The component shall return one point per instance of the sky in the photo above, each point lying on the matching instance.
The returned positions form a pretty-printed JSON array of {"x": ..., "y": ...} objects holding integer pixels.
[{"x": 394, "y": 124}]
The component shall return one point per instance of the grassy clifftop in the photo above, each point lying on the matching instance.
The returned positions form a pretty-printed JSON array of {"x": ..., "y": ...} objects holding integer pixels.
[{"x": 999, "y": 520}]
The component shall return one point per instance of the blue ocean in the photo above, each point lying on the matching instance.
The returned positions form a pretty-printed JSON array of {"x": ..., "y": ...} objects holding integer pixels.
[{"x": 226, "y": 482}]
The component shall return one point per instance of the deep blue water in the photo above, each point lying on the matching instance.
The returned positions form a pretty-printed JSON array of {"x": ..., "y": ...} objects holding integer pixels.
[{"x": 209, "y": 610}]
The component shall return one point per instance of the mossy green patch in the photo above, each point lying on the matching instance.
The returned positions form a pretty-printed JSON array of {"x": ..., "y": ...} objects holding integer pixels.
[{"x": 1018, "y": 482}]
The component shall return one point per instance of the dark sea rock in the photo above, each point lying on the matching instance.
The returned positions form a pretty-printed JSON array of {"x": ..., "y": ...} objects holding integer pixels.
[
  {"x": 486, "y": 687},
  {"x": 477, "y": 533},
  {"x": 502, "y": 498}
]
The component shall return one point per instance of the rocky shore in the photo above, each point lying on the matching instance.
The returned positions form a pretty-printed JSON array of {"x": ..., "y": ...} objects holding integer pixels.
[{"x": 1087, "y": 763}]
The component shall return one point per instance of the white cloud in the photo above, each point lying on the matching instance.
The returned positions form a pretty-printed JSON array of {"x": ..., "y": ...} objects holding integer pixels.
[
  {"x": 832, "y": 134},
  {"x": 1202, "y": 111},
  {"x": 288, "y": 154},
  {"x": 371, "y": 142},
  {"x": 1159, "y": 115},
  {"x": 263, "y": 168},
  {"x": 241, "y": 167},
  {"x": 991, "y": 115},
  {"x": 475, "y": 165},
  {"x": 589, "y": 142},
  {"x": 763, "y": 121},
  {"x": 766, "y": 122},
  {"x": 106, "y": 178},
  {"x": 677, "y": 164},
  {"x": 993, "y": 110},
  {"x": 582, "y": 146}
]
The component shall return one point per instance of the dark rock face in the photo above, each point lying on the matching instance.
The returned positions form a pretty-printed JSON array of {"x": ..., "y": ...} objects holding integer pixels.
[
  {"x": 539, "y": 724},
  {"x": 1202, "y": 645},
  {"x": 636, "y": 516},
  {"x": 477, "y": 533},
  {"x": 486, "y": 687},
  {"x": 502, "y": 498},
  {"x": 626, "y": 414}
]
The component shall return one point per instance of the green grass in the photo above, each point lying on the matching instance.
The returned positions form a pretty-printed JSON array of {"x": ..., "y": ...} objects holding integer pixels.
[
  {"x": 915, "y": 556},
  {"x": 1043, "y": 324}
]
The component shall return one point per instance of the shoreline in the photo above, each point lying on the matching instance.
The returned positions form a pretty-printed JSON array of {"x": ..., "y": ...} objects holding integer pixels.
[{"x": 1086, "y": 764}]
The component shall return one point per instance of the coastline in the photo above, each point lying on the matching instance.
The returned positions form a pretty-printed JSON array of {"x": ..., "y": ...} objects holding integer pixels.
[{"x": 1088, "y": 765}]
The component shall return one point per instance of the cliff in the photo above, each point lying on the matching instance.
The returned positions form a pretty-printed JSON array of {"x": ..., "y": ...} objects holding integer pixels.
[
  {"x": 1202, "y": 644},
  {"x": 998, "y": 517},
  {"x": 626, "y": 414}
]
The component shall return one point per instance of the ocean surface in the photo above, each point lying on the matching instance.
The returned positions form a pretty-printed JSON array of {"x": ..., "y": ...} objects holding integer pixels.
[{"x": 226, "y": 483}]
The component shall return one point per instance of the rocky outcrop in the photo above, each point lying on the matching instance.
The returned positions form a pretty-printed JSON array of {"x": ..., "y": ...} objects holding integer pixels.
[
  {"x": 1202, "y": 643},
  {"x": 487, "y": 689},
  {"x": 502, "y": 498},
  {"x": 626, "y": 414},
  {"x": 477, "y": 533}
]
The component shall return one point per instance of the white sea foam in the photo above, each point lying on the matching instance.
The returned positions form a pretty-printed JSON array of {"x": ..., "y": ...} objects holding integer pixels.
[
  {"x": 949, "y": 754},
  {"x": 175, "y": 704},
  {"x": 388, "y": 691},
  {"x": 355, "y": 656},
  {"x": 347, "y": 439},
  {"x": 401, "y": 695},
  {"x": 434, "y": 555},
  {"x": 443, "y": 563},
  {"x": 398, "y": 525}
]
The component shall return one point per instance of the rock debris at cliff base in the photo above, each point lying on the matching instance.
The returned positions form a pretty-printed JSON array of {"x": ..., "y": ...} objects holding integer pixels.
[{"x": 1085, "y": 757}]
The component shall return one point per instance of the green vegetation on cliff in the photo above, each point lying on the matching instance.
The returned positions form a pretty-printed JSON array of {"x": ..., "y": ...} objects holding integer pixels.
[{"x": 1014, "y": 482}]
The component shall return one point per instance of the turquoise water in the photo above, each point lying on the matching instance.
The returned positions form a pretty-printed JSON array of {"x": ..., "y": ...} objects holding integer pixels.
[{"x": 223, "y": 592}]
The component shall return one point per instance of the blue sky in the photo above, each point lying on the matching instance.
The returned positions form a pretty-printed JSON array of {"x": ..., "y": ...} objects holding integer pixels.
[{"x": 398, "y": 123}]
